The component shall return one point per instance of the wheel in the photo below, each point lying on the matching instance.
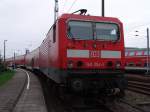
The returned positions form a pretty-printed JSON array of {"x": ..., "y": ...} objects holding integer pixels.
[{"x": 121, "y": 94}]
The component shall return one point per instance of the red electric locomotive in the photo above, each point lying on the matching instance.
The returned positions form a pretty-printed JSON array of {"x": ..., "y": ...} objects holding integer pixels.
[{"x": 83, "y": 53}]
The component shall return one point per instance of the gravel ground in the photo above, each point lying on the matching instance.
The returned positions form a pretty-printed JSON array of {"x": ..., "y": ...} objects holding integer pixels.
[
  {"x": 140, "y": 100},
  {"x": 136, "y": 98}
]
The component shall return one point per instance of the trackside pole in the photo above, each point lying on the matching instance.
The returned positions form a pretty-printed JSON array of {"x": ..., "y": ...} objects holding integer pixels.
[
  {"x": 103, "y": 8},
  {"x": 147, "y": 72},
  {"x": 56, "y": 10}
]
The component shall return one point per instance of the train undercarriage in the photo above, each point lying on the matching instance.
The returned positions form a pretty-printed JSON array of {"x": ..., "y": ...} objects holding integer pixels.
[{"x": 92, "y": 82}]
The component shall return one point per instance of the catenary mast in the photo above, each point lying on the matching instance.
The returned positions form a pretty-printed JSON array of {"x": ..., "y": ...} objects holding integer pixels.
[{"x": 56, "y": 8}]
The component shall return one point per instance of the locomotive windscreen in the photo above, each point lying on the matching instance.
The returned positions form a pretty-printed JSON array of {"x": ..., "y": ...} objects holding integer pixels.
[
  {"x": 93, "y": 30},
  {"x": 80, "y": 30},
  {"x": 107, "y": 31}
]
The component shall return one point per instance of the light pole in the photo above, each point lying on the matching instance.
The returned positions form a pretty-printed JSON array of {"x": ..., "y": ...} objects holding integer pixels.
[
  {"x": 4, "y": 50},
  {"x": 0, "y": 57},
  {"x": 56, "y": 8},
  {"x": 14, "y": 65},
  {"x": 148, "y": 53},
  {"x": 103, "y": 8}
]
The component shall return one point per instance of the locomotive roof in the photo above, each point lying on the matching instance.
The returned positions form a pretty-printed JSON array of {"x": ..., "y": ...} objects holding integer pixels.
[{"x": 89, "y": 17}]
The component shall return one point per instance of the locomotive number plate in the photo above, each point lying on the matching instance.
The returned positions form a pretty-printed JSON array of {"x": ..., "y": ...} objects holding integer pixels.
[{"x": 95, "y": 64}]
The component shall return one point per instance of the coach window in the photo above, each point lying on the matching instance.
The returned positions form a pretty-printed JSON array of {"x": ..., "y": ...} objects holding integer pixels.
[
  {"x": 145, "y": 64},
  {"x": 54, "y": 33},
  {"x": 145, "y": 53},
  {"x": 139, "y": 53},
  {"x": 132, "y": 53},
  {"x": 138, "y": 64},
  {"x": 126, "y": 53},
  {"x": 131, "y": 64}
]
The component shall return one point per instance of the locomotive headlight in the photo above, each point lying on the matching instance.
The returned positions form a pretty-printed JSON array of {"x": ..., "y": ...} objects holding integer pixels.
[
  {"x": 80, "y": 64},
  {"x": 70, "y": 64},
  {"x": 109, "y": 63}
]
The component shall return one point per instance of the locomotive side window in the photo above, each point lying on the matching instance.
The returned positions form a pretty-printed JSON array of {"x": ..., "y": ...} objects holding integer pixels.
[
  {"x": 54, "y": 33},
  {"x": 107, "y": 31},
  {"x": 80, "y": 30}
]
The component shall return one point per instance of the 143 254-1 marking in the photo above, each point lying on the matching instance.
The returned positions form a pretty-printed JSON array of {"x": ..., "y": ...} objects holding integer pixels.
[{"x": 95, "y": 64}]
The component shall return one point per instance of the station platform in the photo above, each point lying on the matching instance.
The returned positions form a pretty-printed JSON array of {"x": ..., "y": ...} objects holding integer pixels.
[{"x": 23, "y": 93}]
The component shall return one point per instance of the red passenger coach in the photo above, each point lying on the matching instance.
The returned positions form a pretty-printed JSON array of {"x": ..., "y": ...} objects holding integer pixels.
[
  {"x": 19, "y": 61},
  {"x": 32, "y": 59},
  {"x": 9, "y": 61},
  {"x": 136, "y": 60}
]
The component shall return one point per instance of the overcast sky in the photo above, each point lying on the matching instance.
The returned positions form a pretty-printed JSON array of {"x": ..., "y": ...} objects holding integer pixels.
[{"x": 24, "y": 23}]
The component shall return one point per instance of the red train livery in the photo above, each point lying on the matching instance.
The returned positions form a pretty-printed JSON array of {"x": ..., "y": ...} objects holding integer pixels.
[
  {"x": 136, "y": 60},
  {"x": 82, "y": 53},
  {"x": 19, "y": 61}
]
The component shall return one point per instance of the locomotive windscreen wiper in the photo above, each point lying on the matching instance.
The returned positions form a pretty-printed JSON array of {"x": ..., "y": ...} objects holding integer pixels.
[{"x": 69, "y": 32}]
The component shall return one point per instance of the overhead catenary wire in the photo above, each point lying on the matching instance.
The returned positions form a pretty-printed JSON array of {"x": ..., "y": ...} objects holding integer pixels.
[
  {"x": 71, "y": 6},
  {"x": 137, "y": 27},
  {"x": 64, "y": 5}
]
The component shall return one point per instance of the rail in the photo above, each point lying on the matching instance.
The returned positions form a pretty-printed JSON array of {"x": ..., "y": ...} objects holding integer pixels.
[{"x": 139, "y": 87}]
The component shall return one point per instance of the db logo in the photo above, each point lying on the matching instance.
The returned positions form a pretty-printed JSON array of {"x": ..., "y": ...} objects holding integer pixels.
[{"x": 95, "y": 54}]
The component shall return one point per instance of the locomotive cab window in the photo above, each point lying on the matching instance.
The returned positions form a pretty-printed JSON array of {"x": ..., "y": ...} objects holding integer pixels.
[
  {"x": 80, "y": 30},
  {"x": 107, "y": 31},
  {"x": 54, "y": 33},
  {"x": 86, "y": 30}
]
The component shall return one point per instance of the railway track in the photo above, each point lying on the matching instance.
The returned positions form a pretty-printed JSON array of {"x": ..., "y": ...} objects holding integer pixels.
[
  {"x": 74, "y": 104},
  {"x": 133, "y": 106},
  {"x": 78, "y": 104},
  {"x": 88, "y": 106},
  {"x": 139, "y": 87},
  {"x": 100, "y": 108}
]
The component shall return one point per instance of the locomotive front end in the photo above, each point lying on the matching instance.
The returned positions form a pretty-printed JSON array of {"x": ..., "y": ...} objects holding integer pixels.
[{"x": 93, "y": 57}]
